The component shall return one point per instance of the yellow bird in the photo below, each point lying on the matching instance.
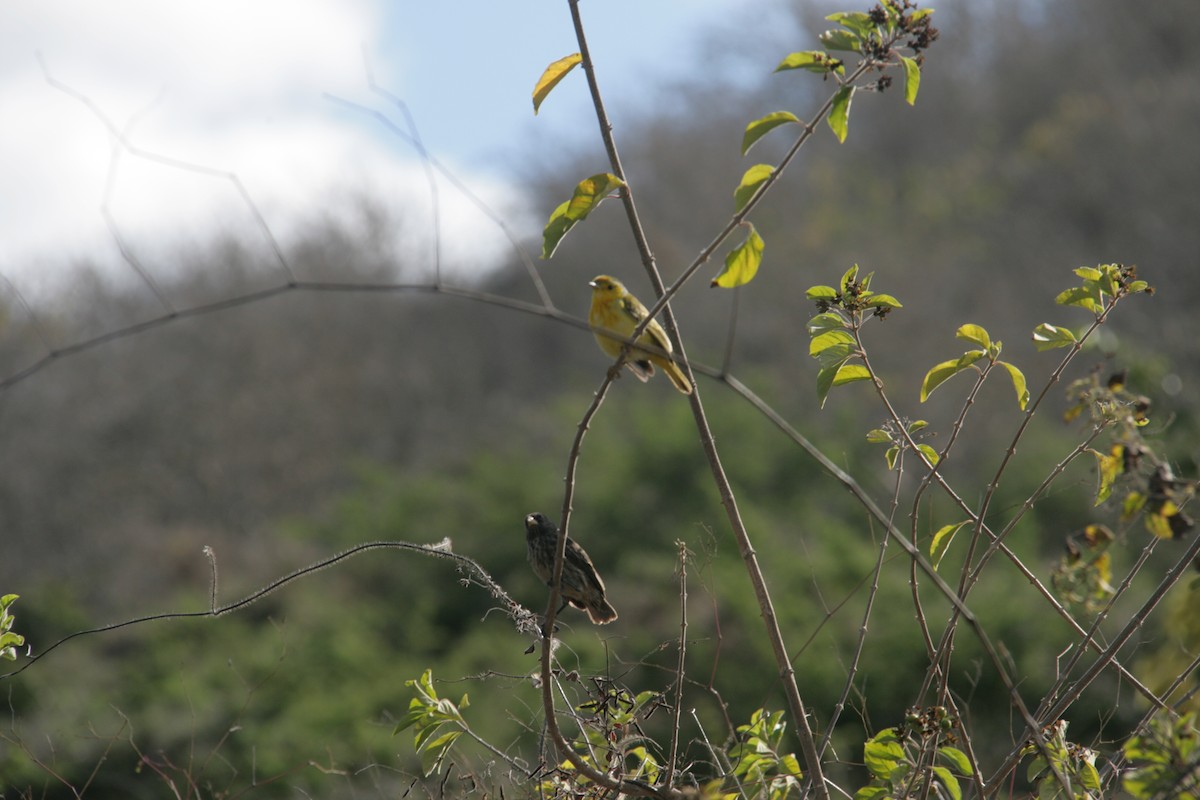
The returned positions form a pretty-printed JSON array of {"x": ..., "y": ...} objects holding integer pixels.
[{"x": 615, "y": 309}]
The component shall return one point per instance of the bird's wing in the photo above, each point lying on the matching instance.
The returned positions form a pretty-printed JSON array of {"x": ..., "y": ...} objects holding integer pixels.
[
  {"x": 580, "y": 559},
  {"x": 634, "y": 308}
]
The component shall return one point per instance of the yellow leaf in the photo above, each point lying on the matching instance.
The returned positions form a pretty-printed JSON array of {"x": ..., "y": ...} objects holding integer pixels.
[{"x": 551, "y": 77}]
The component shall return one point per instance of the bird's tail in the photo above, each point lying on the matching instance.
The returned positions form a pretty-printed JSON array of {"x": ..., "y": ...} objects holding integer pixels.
[
  {"x": 600, "y": 611},
  {"x": 677, "y": 377}
]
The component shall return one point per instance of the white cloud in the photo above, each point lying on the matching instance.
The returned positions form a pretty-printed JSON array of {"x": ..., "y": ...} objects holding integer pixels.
[{"x": 232, "y": 86}]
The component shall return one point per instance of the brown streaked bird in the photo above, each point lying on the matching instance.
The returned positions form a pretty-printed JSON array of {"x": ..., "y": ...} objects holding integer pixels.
[
  {"x": 615, "y": 309},
  {"x": 582, "y": 586}
]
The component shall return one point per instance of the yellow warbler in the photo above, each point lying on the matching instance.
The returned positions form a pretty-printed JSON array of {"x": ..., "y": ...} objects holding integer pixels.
[{"x": 615, "y": 309}]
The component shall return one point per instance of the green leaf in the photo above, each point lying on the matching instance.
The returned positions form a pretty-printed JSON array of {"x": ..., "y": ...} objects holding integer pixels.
[
  {"x": 947, "y": 370},
  {"x": 813, "y": 61},
  {"x": 949, "y": 781},
  {"x": 890, "y": 456},
  {"x": 416, "y": 712},
  {"x": 589, "y": 193},
  {"x": 9, "y": 642},
  {"x": 741, "y": 264},
  {"x": 1048, "y": 337},
  {"x": 937, "y": 550},
  {"x": 883, "y": 301},
  {"x": 754, "y": 178},
  {"x": 916, "y": 425},
  {"x": 857, "y": 21},
  {"x": 956, "y": 758},
  {"x": 556, "y": 229},
  {"x": 821, "y": 293},
  {"x": 878, "y": 436},
  {"x": 1036, "y": 768},
  {"x": 825, "y": 322},
  {"x": 872, "y": 793},
  {"x": 551, "y": 77},
  {"x": 937, "y": 376},
  {"x": 1089, "y": 273},
  {"x": 841, "y": 40},
  {"x": 836, "y": 337},
  {"x": 836, "y": 375},
  {"x": 1018, "y": 379},
  {"x": 839, "y": 113},
  {"x": 790, "y": 766},
  {"x": 974, "y": 334},
  {"x": 882, "y": 757},
  {"x": 764, "y": 125},
  {"x": 434, "y": 752},
  {"x": 834, "y": 354},
  {"x": 912, "y": 79},
  {"x": 931, "y": 455},
  {"x": 1086, "y": 296},
  {"x": 848, "y": 277}
]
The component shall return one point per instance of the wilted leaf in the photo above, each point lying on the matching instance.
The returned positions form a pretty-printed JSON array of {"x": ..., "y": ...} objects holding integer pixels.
[{"x": 1108, "y": 468}]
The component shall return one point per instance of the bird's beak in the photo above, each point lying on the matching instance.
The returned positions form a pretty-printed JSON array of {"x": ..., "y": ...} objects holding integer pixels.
[
  {"x": 592, "y": 284},
  {"x": 528, "y": 520}
]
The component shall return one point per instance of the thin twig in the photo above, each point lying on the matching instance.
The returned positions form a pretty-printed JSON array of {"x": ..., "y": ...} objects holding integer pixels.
[
  {"x": 673, "y": 750},
  {"x": 526, "y": 620},
  {"x": 1107, "y": 658}
]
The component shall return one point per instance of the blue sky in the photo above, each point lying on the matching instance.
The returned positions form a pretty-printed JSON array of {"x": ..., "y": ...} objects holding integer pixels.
[{"x": 238, "y": 88}]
